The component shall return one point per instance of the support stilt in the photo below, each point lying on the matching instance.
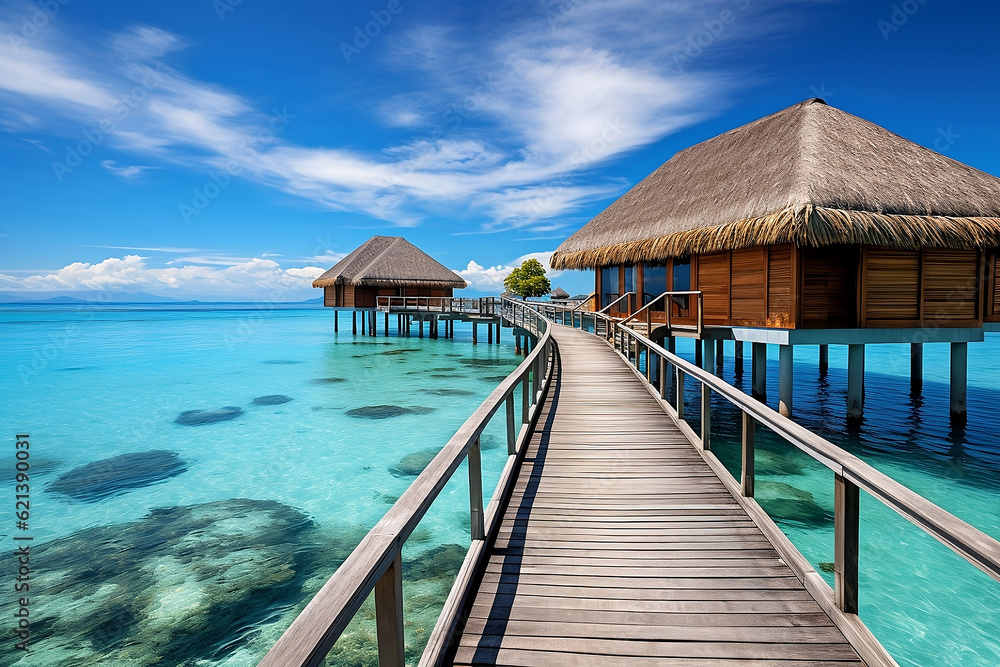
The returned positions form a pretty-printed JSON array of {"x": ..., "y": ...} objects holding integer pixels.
[
  {"x": 489, "y": 333},
  {"x": 336, "y": 321},
  {"x": 959, "y": 381},
  {"x": 824, "y": 358},
  {"x": 421, "y": 326},
  {"x": 758, "y": 369},
  {"x": 354, "y": 322},
  {"x": 916, "y": 365},
  {"x": 855, "y": 381},
  {"x": 785, "y": 363},
  {"x": 475, "y": 332},
  {"x": 709, "y": 346},
  {"x": 738, "y": 358},
  {"x": 698, "y": 353},
  {"x": 720, "y": 353}
]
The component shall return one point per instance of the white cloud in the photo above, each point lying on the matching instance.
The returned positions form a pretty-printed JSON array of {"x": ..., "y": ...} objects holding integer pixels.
[
  {"x": 490, "y": 278},
  {"x": 124, "y": 170},
  {"x": 252, "y": 277}
]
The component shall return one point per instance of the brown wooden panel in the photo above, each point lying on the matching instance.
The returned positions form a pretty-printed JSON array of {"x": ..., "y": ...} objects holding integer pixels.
[
  {"x": 779, "y": 286},
  {"x": 892, "y": 286},
  {"x": 330, "y": 296},
  {"x": 828, "y": 288},
  {"x": 994, "y": 282},
  {"x": 713, "y": 281},
  {"x": 748, "y": 293},
  {"x": 349, "y": 296},
  {"x": 951, "y": 286}
]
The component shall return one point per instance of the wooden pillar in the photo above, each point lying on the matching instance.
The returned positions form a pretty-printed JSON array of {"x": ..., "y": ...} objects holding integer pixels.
[
  {"x": 855, "y": 381},
  {"x": 475, "y": 332},
  {"x": 959, "y": 380},
  {"x": 846, "y": 520},
  {"x": 373, "y": 318},
  {"x": 517, "y": 345},
  {"x": 386, "y": 332},
  {"x": 389, "y": 615},
  {"x": 489, "y": 333},
  {"x": 671, "y": 344},
  {"x": 738, "y": 357},
  {"x": 720, "y": 353},
  {"x": 421, "y": 326},
  {"x": 785, "y": 363},
  {"x": 824, "y": 358},
  {"x": 758, "y": 367},
  {"x": 697, "y": 353},
  {"x": 336, "y": 321},
  {"x": 709, "y": 346},
  {"x": 916, "y": 365}
]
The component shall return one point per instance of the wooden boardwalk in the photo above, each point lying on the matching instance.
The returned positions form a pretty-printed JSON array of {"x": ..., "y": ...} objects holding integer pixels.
[{"x": 621, "y": 547}]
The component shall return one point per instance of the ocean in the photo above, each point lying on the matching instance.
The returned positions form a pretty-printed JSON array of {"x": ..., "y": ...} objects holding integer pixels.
[{"x": 197, "y": 473}]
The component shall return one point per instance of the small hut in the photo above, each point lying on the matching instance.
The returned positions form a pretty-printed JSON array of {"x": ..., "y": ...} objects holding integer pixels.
[
  {"x": 808, "y": 226},
  {"x": 385, "y": 266}
]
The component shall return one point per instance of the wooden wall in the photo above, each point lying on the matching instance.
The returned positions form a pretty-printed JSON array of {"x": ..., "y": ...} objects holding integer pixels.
[
  {"x": 920, "y": 288},
  {"x": 829, "y": 287},
  {"x": 992, "y": 282},
  {"x": 349, "y": 296},
  {"x": 837, "y": 287}
]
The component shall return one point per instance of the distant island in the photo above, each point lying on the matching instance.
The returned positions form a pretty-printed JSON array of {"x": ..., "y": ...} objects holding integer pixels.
[{"x": 99, "y": 297}]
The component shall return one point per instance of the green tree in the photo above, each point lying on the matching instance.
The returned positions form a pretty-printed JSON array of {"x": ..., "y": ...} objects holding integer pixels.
[{"x": 528, "y": 280}]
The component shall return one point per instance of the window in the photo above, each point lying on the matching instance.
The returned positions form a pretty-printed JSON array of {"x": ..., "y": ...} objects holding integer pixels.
[
  {"x": 682, "y": 283},
  {"x": 654, "y": 283},
  {"x": 609, "y": 285}
]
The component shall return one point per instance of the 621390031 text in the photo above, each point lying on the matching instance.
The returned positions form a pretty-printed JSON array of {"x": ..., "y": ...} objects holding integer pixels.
[{"x": 22, "y": 541}]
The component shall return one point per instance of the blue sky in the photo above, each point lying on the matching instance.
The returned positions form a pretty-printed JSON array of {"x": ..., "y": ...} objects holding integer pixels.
[{"x": 233, "y": 149}]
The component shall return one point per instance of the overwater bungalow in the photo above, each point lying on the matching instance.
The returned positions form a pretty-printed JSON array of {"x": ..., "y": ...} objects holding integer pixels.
[
  {"x": 389, "y": 274},
  {"x": 808, "y": 226},
  {"x": 385, "y": 266}
]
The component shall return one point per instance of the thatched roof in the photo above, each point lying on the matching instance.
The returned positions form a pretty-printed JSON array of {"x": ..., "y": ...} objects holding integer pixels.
[
  {"x": 811, "y": 175},
  {"x": 390, "y": 261},
  {"x": 559, "y": 293}
]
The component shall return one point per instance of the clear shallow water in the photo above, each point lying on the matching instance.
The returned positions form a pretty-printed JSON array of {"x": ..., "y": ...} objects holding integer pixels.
[
  {"x": 925, "y": 604},
  {"x": 90, "y": 384}
]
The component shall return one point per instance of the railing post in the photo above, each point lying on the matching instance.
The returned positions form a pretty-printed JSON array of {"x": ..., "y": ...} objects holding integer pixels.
[
  {"x": 663, "y": 376},
  {"x": 525, "y": 396},
  {"x": 649, "y": 366},
  {"x": 389, "y": 615},
  {"x": 476, "y": 514},
  {"x": 701, "y": 314},
  {"x": 511, "y": 433},
  {"x": 749, "y": 431},
  {"x": 679, "y": 375},
  {"x": 706, "y": 417},
  {"x": 846, "y": 512}
]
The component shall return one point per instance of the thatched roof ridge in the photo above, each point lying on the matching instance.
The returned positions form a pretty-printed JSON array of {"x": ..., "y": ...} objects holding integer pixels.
[
  {"x": 390, "y": 261},
  {"x": 811, "y": 175}
]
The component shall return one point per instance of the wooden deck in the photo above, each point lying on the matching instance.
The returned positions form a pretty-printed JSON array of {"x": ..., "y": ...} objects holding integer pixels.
[{"x": 620, "y": 546}]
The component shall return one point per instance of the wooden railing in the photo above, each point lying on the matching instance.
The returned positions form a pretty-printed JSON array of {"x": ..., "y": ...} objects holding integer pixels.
[
  {"x": 488, "y": 305},
  {"x": 850, "y": 475},
  {"x": 686, "y": 293},
  {"x": 624, "y": 296},
  {"x": 375, "y": 564}
]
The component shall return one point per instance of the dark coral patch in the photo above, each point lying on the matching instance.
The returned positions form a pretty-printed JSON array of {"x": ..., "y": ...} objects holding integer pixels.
[
  {"x": 107, "y": 477},
  {"x": 272, "y": 399},
  {"x": 201, "y": 417}
]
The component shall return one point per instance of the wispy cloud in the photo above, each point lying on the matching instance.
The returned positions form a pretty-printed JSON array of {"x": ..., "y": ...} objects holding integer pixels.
[
  {"x": 547, "y": 100},
  {"x": 164, "y": 249}
]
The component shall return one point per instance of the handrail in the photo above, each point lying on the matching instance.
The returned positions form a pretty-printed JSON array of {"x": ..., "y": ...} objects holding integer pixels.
[
  {"x": 851, "y": 473},
  {"x": 616, "y": 301},
  {"x": 580, "y": 305},
  {"x": 701, "y": 309},
  {"x": 375, "y": 564},
  {"x": 440, "y": 304}
]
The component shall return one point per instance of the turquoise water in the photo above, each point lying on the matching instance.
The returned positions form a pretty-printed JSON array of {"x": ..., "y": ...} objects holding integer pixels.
[
  {"x": 925, "y": 604},
  {"x": 268, "y": 502},
  {"x": 217, "y": 580}
]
